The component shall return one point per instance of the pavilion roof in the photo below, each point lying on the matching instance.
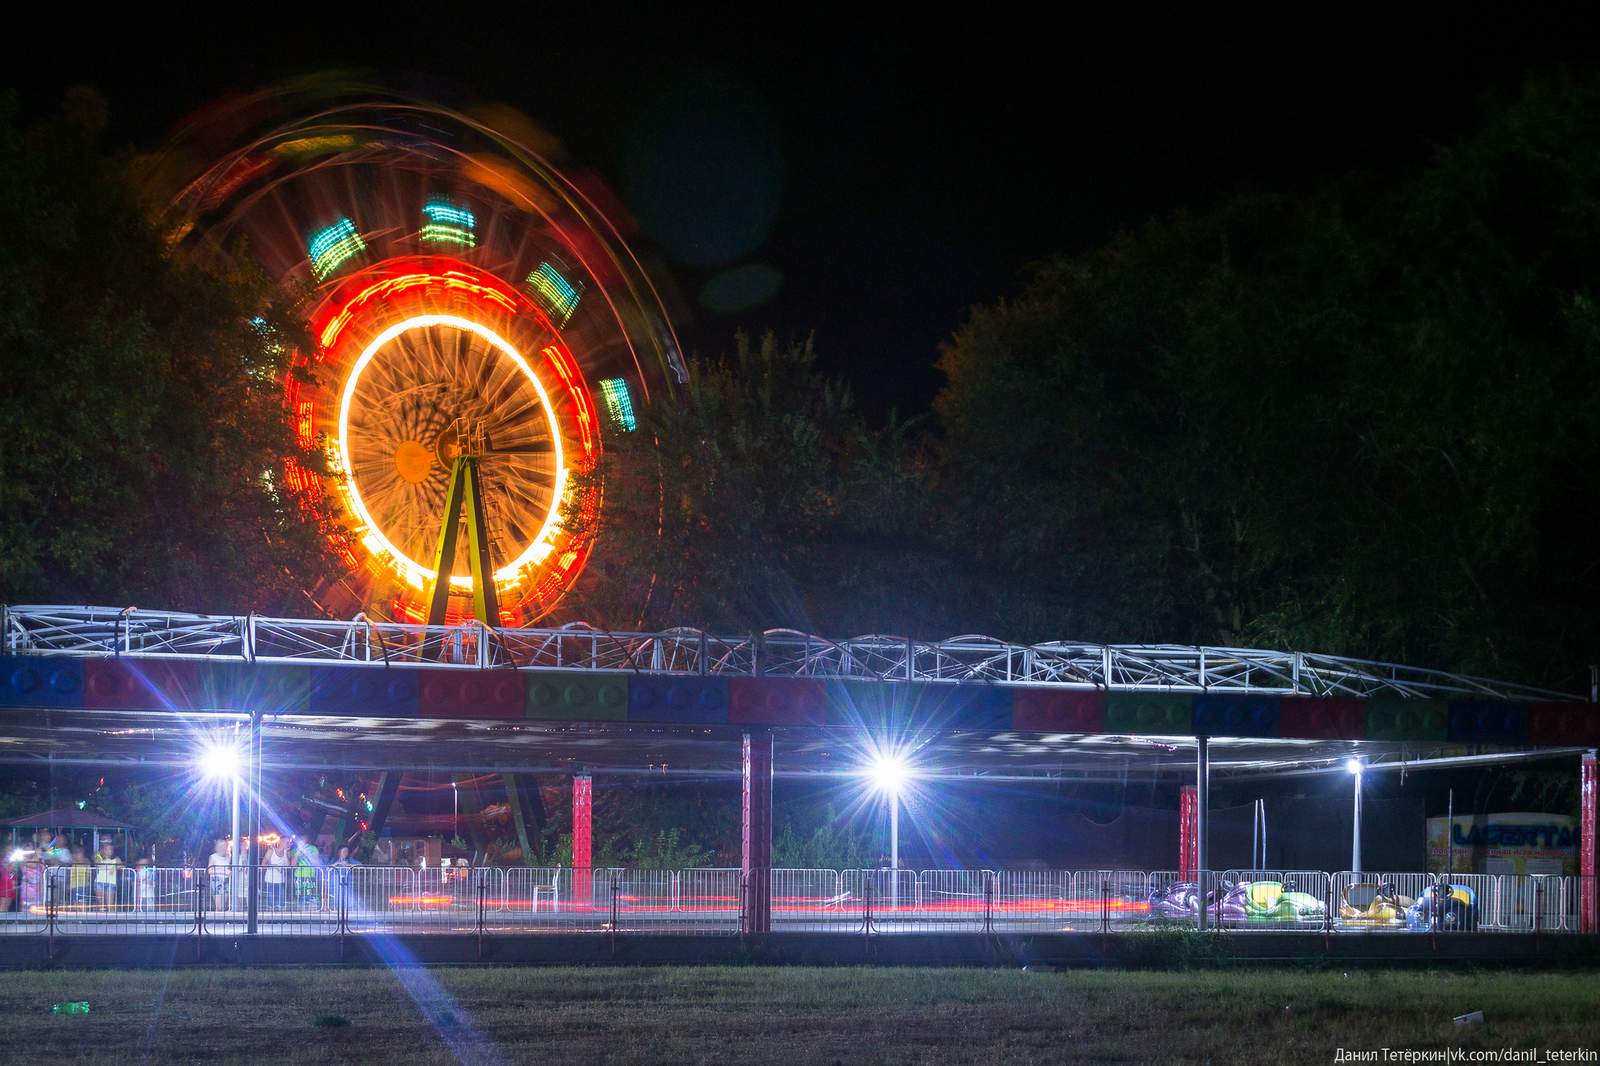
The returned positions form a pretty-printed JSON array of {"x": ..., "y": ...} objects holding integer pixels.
[{"x": 65, "y": 818}]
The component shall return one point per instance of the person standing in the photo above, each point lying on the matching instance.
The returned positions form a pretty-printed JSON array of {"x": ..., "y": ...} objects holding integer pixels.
[
  {"x": 33, "y": 873},
  {"x": 82, "y": 877},
  {"x": 144, "y": 886},
  {"x": 340, "y": 870},
  {"x": 218, "y": 866},
  {"x": 307, "y": 859},
  {"x": 277, "y": 863},
  {"x": 107, "y": 870},
  {"x": 60, "y": 869}
]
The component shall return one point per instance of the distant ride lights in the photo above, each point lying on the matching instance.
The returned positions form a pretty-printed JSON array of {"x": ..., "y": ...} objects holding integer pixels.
[{"x": 468, "y": 302}]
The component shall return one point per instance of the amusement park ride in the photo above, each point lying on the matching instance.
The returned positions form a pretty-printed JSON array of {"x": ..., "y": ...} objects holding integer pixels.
[{"x": 468, "y": 301}]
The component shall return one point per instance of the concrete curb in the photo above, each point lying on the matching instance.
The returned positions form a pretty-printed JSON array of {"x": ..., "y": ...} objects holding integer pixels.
[{"x": 1050, "y": 951}]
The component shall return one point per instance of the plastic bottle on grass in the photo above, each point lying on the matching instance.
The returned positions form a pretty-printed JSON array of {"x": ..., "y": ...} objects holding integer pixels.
[{"x": 80, "y": 1007}]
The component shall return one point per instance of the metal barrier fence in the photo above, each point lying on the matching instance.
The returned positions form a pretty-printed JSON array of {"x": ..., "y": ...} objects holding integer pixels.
[{"x": 337, "y": 900}]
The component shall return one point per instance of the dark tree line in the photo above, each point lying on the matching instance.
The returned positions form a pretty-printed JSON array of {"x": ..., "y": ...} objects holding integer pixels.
[
  {"x": 142, "y": 426},
  {"x": 1357, "y": 420}
]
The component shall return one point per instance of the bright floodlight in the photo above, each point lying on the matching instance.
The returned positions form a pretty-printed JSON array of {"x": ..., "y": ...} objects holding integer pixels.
[
  {"x": 1353, "y": 765},
  {"x": 889, "y": 772},
  {"x": 219, "y": 760}
]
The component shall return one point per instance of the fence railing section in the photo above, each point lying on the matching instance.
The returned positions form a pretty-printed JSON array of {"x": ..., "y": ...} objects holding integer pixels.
[{"x": 305, "y": 901}]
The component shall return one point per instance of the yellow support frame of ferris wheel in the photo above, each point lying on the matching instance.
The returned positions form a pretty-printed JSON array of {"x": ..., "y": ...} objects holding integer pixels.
[{"x": 466, "y": 490}]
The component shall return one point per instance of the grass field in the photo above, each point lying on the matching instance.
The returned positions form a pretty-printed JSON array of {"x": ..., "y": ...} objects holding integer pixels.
[{"x": 851, "y": 1017}]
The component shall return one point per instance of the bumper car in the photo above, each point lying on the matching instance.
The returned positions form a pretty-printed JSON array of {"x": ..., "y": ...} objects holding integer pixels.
[
  {"x": 1270, "y": 901},
  {"x": 1457, "y": 906},
  {"x": 1180, "y": 899},
  {"x": 1373, "y": 905}
]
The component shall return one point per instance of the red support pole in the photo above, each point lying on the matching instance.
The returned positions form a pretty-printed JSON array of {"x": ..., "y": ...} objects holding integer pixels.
[
  {"x": 1188, "y": 831},
  {"x": 1589, "y": 799},
  {"x": 755, "y": 836},
  {"x": 582, "y": 838}
]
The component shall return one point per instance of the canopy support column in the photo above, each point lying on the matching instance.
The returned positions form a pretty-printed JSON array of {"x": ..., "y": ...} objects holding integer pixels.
[
  {"x": 755, "y": 833},
  {"x": 582, "y": 827},
  {"x": 471, "y": 803},
  {"x": 253, "y": 854},
  {"x": 1202, "y": 812},
  {"x": 1188, "y": 805},
  {"x": 1589, "y": 799}
]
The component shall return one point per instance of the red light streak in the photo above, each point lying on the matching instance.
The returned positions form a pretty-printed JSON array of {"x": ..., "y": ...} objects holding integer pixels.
[
  {"x": 482, "y": 286},
  {"x": 405, "y": 606},
  {"x": 302, "y": 425},
  {"x": 235, "y": 176},
  {"x": 299, "y": 478},
  {"x": 561, "y": 360}
]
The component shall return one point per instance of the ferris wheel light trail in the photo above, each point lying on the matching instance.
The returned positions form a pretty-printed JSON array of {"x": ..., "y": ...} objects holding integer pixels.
[
  {"x": 402, "y": 210},
  {"x": 559, "y": 296},
  {"x": 330, "y": 248},
  {"x": 619, "y": 404},
  {"x": 373, "y": 536}
]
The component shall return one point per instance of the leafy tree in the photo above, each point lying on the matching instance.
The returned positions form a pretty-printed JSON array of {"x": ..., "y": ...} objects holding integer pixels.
[
  {"x": 830, "y": 844},
  {"x": 1353, "y": 421},
  {"x": 666, "y": 852},
  {"x": 1128, "y": 440},
  {"x": 142, "y": 428},
  {"x": 760, "y": 500},
  {"x": 1480, "y": 394}
]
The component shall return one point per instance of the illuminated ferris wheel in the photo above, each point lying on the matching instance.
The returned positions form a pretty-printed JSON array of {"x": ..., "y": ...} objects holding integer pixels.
[{"x": 475, "y": 314}]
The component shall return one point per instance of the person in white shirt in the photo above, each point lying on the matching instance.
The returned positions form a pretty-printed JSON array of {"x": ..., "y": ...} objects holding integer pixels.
[
  {"x": 144, "y": 889},
  {"x": 277, "y": 873},
  {"x": 219, "y": 864}
]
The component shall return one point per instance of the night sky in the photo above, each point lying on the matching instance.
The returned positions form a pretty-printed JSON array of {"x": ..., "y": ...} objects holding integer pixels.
[{"x": 884, "y": 173}]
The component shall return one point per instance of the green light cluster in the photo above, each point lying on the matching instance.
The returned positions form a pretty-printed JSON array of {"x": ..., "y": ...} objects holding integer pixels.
[
  {"x": 558, "y": 295},
  {"x": 619, "y": 405},
  {"x": 332, "y": 247},
  {"x": 445, "y": 223}
]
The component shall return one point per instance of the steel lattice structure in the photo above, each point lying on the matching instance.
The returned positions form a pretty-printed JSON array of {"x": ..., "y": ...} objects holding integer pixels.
[{"x": 102, "y": 631}]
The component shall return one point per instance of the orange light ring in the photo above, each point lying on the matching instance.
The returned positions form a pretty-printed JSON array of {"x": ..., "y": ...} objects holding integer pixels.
[
  {"x": 373, "y": 288},
  {"x": 551, "y": 536}
]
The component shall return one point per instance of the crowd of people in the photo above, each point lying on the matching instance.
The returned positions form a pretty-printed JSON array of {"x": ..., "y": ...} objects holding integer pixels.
[
  {"x": 288, "y": 875},
  {"x": 52, "y": 868}
]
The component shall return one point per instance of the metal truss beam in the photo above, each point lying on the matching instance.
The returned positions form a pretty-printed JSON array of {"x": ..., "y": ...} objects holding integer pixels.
[{"x": 102, "y": 631}]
